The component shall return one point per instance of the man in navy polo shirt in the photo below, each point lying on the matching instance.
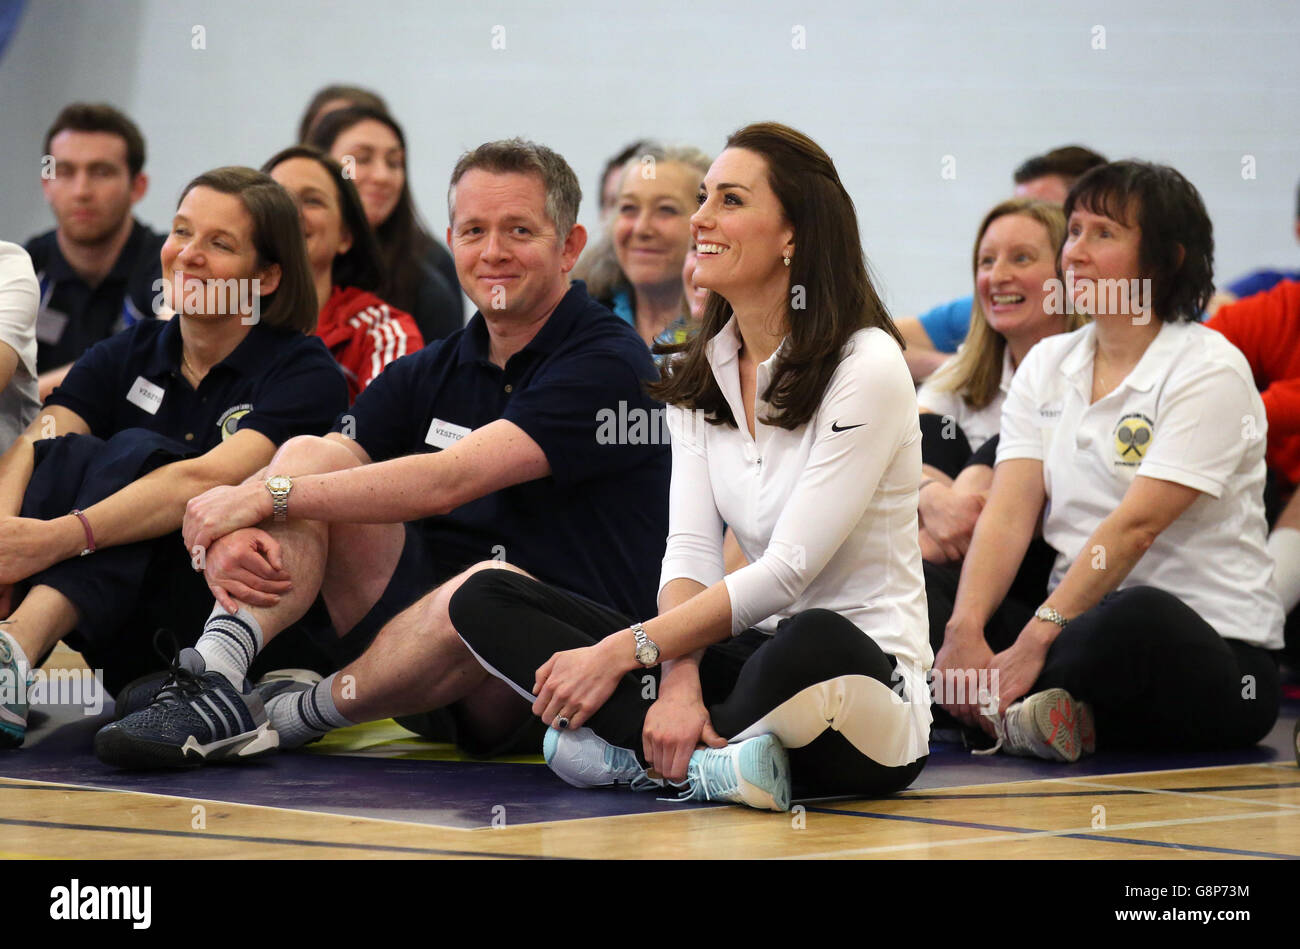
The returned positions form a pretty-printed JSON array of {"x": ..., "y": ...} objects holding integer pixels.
[
  {"x": 484, "y": 450},
  {"x": 99, "y": 267}
]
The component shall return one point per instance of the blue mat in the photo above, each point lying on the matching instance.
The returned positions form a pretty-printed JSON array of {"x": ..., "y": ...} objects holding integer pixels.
[{"x": 396, "y": 780}]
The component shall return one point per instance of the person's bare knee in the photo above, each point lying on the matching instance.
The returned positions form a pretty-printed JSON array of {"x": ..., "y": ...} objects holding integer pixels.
[{"x": 312, "y": 453}]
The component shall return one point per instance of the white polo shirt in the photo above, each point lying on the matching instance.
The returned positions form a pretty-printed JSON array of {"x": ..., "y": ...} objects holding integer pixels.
[
  {"x": 1188, "y": 413},
  {"x": 978, "y": 425},
  {"x": 825, "y": 514},
  {"x": 20, "y": 298}
]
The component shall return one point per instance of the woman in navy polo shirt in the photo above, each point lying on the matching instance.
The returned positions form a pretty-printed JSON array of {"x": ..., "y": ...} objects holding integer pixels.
[
  {"x": 794, "y": 421},
  {"x": 95, "y": 490},
  {"x": 1138, "y": 444}
]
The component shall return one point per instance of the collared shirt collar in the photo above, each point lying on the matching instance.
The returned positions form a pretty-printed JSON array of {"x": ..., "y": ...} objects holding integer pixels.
[
  {"x": 1077, "y": 363},
  {"x": 58, "y": 268},
  {"x": 1008, "y": 370},
  {"x": 248, "y": 358},
  {"x": 475, "y": 343}
]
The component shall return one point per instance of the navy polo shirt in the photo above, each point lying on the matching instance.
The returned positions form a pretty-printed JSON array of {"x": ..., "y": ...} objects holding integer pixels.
[
  {"x": 74, "y": 316},
  {"x": 597, "y": 524},
  {"x": 276, "y": 381}
]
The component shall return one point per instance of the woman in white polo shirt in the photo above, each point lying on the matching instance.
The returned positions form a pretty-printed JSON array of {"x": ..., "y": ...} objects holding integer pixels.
[
  {"x": 1139, "y": 444},
  {"x": 1013, "y": 263},
  {"x": 794, "y": 422}
]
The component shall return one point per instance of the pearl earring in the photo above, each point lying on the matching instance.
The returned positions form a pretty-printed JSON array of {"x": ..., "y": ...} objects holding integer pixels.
[{"x": 787, "y": 261}]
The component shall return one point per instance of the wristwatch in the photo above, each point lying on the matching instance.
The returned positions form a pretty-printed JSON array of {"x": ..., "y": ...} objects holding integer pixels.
[
  {"x": 1050, "y": 615},
  {"x": 647, "y": 653},
  {"x": 279, "y": 487}
]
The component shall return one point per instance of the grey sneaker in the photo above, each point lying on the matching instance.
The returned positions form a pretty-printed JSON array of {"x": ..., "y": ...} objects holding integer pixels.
[
  {"x": 1049, "y": 724},
  {"x": 585, "y": 760}
]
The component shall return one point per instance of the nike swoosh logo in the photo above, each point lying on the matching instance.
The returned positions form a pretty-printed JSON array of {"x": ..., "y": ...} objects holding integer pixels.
[{"x": 836, "y": 427}]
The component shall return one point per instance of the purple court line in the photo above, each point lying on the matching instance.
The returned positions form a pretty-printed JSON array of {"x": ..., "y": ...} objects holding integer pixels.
[
  {"x": 190, "y": 835},
  {"x": 1029, "y": 830}
]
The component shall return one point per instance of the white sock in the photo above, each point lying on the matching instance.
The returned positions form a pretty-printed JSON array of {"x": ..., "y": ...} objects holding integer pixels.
[
  {"x": 299, "y": 717},
  {"x": 229, "y": 643},
  {"x": 1284, "y": 545}
]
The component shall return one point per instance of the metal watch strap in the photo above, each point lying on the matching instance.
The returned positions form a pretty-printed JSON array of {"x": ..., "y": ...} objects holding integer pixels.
[{"x": 1050, "y": 615}]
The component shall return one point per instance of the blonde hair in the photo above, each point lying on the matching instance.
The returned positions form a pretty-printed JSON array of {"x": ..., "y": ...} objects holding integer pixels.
[
  {"x": 975, "y": 373},
  {"x": 599, "y": 266}
]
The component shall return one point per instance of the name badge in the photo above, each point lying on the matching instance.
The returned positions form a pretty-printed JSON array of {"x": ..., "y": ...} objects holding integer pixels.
[
  {"x": 50, "y": 325},
  {"x": 144, "y": 394},
  {"x": 445, "y": 434}
]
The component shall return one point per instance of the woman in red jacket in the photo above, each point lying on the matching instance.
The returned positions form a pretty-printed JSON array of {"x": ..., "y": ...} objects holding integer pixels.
[{"x": 363, "y": 333}]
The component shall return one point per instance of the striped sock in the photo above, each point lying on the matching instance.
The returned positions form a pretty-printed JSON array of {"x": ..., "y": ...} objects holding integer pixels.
[
  {"x": 229, "y": 643},
  {"x": 302, "y": 716}
]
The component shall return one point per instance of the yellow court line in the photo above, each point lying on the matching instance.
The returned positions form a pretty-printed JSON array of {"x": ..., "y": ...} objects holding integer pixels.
[
  {"x": 1177, "y": 793},
  {"x": 1089, "y": 829}
]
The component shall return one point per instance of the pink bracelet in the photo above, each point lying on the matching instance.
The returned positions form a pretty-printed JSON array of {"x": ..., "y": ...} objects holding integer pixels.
[{"x": 90, "y": 535}]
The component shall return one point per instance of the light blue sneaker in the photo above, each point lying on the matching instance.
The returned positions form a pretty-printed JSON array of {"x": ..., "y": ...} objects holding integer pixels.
[
  {"x": 15, "y": 684},
  {"x": 755, "y": 772},
  {"x": 585, "y": 760}
]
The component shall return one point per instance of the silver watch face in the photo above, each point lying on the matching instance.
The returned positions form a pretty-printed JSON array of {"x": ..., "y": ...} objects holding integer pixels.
[{"x": 647, "y": 653}]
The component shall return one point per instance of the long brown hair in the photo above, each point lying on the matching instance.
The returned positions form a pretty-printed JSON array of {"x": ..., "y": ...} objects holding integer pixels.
[
  {"x": 975, "y": 373},
  {"x": 277, "y": 238},
  {"x": 828, "y": 265},
  {"x": 403, "y": 240}
]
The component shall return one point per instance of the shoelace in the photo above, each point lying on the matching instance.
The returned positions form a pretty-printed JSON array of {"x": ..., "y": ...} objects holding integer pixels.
[
  {"x": 181, "y": 683},
  {"x": 999, "y": 729},
  {"x": 714, "y": 776}
]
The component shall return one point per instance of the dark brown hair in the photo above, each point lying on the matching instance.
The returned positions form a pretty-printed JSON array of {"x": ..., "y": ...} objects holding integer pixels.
[
  {"x": 829, "y": 265},
  {"x": 1069, "y": 162},
  {"x": 402, "y": 238},
  {"x": 359, "y": 266},
  {"x": 84, "y": 117},
  {"x": 277, "y": 238},
  {"x": 1176, "y": 247},
  {"x": 353, "y": 95}
]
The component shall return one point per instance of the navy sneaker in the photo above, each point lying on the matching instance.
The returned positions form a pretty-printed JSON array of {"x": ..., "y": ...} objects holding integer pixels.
[
  {"x": 139, "y": 693},
  {"x": 196, "y": 718}
]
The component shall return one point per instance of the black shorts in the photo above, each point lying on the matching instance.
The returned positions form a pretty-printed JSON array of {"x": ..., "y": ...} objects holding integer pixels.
[{"x": 418, "y": 572}]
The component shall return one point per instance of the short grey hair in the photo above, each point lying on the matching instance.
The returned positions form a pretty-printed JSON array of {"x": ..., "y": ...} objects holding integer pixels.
[{"x": 516, "y": 155}]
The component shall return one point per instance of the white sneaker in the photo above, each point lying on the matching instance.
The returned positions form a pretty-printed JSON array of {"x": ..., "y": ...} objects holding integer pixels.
[
  {"x": 585, "y": 760},
  {"x": 755, "y": 772},
  {"x": 1049, "y": 724}
]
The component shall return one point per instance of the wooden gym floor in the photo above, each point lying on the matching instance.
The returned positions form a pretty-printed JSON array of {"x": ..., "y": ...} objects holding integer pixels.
[{"x": 378, "y": 792}]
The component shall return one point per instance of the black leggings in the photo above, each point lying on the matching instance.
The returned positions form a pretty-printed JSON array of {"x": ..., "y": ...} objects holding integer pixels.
[
  {"x": 813, "y": 665},
  {"x": 1157, "y": 675}
]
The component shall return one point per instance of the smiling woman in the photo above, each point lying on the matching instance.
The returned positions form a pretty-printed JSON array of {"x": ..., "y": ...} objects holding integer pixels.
[
  {"x": 418, "y": 273},
  {"x": 144, "y": 421},
  {"x": 649, "y": 238},
  {"x": 784, "y": 676},
  {"x": 363, "y": 332},
  {"x": 1127, "y": 442}
]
